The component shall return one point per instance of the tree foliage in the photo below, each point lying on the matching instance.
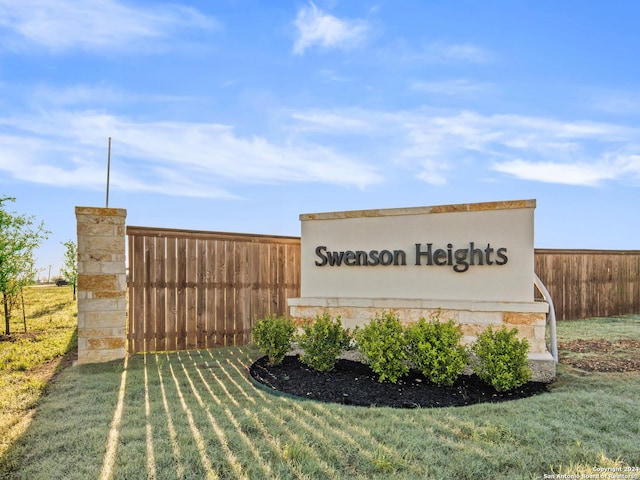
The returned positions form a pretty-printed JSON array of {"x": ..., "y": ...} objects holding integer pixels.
[
  {"x": 70, "y": 268},
  {"x": 20, "y": 236}
]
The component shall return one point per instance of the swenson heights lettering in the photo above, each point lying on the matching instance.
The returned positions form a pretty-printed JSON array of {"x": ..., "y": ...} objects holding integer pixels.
[{"x": 460, "y": 259}]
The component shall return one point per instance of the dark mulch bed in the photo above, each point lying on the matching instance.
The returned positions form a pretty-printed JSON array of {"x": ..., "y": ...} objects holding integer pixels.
[{"x": 353, "y": 383}]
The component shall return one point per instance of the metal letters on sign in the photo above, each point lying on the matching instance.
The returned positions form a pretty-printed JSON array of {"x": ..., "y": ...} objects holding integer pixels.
[{"x": 460, "y": 259}]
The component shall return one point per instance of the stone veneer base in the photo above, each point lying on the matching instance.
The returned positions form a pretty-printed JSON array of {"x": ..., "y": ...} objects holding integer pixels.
[{"x": 472, "y": 316}]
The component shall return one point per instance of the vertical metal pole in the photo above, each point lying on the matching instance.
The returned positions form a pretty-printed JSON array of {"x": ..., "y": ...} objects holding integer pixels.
[{"x": 108, "y": 170}]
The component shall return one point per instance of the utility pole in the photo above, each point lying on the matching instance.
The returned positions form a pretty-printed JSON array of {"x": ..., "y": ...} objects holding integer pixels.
[{"x": 49, "y": 277}]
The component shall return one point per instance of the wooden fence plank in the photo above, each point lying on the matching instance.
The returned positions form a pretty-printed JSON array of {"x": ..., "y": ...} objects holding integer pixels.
[
  {"x": 191, "y": 293},
  {"x": 244, "y": 294},
  {"x": 211, "y": 294},
  {"x": 132, "y": 287},
  {"x": 201, "y": 295},
  {"x": 161, "y": 289},
  {"x": 181, "y": 301},
  {"x": 139, "y": 294},
  {"x": 172, "y": 294},
  {"x": 220, "y": 283},
  {"x": 226, "y": 292},
  {"x": 149, "y": 295},
  {"x": 272, "y": 278},
  {"x": 255, "y": 310},
  {"x": 280, "y": 277}
]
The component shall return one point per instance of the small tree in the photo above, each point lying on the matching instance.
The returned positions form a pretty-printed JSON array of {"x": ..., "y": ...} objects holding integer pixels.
[
  {"x": 27, "y": 275},
  {"x": 70, "y": 268},
  {"x": 19, "y": 238}
]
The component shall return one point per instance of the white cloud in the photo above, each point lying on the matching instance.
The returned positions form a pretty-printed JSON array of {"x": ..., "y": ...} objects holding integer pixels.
[
  {"x": 331, "y": 121},
  {"x": 618, "y": 102},
  {"x": 564, "y": 173},
  {"x": 316, "y": 28},
  {"x": 546, "y": 150},
  {"x": 59, "y": 25},
  {"x": 433, "y": 172},
  {"x": 461, "y": 52},
  {"x": 438, "y": 53},
  {"x": 347, "y": 147},
  {"x": 450, "y": 87},
  {"x": 332, "y": 76},
  {"x": 178, "y": 158},
  {"x": 78, "y": 95},
  {"x": 30, "y": 158},
  {"x": 530, "y": 148}
]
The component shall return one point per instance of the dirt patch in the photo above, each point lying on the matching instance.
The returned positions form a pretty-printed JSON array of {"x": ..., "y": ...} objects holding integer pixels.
[
  {"x": 599, "y": 355},
  {"x": 14, "y": 337}
]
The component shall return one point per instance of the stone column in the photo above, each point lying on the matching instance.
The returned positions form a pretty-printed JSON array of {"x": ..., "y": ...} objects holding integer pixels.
[{"x": 102, "y": 284}]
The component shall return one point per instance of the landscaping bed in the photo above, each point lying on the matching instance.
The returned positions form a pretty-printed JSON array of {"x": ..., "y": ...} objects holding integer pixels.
[{"x": 353, "y": 383}]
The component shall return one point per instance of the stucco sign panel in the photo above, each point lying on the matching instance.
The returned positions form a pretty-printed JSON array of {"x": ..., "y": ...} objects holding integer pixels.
[{"x": 471, "y": 252}]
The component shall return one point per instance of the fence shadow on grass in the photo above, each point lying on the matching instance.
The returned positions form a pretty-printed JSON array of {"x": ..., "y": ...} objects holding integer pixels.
[
  {"x": 203, "y": 418},
  {"x": 195, "y": 414}
]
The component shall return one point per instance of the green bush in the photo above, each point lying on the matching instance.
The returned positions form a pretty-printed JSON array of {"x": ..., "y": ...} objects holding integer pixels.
[
  {"x": 384, "y": 346},
  {"x": 435, "y": 350},
  {"x": 501, "y": 359},
  {"x": 273, "y": 335},
  {"x": 322, "y": 342}
]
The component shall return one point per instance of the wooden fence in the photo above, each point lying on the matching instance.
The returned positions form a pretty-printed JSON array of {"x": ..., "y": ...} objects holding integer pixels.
[
  {"x": 590, "y": 283},
  {"x": 190, "y": 289}
]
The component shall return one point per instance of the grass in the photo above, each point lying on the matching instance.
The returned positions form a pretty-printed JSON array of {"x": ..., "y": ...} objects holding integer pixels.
[
  {"x": 29, "y": 359},
  {"x": 612, "y": 329},
  {"x": 196, "y": 415}
]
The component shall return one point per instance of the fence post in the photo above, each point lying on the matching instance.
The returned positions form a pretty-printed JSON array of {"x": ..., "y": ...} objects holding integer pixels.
[{"x": 102, "y": 284}]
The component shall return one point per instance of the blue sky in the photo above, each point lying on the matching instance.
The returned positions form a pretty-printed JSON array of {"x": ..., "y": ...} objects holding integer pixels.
[{"x": 239, "y": 115}]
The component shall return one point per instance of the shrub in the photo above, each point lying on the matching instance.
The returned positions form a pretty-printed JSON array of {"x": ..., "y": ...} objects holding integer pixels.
[
  {"x": 384, "y": 346},
  {"x": 501, "y": 359},
  {"x": 435, "y": 350},
  {"x": 273, "y": 336},
  {"x": 322, "y": 342}
]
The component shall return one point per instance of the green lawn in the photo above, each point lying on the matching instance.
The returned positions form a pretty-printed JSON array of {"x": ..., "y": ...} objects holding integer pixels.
[
  {"x": 196, "y": 415},
  {"x": 612, "y": 329},
  {"x": 29, "y": 359}
]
